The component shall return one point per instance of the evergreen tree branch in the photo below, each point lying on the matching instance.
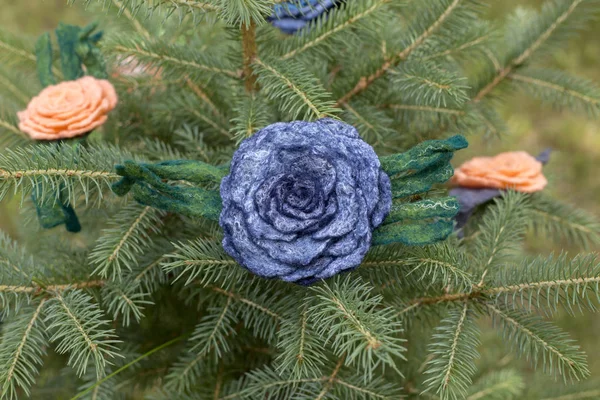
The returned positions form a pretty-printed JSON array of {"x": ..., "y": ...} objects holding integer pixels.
[
  {"x": 365, "y": 81},
  {"x": 297, "y": 91},
  {"x": 165, "y": 55},
  {"x": 523, "y": 56},
  {"x": 51, "y": 288},
  {"x": 504, "y": 384},
  {"x": 21, "y": 351},
  {"x": 119, "y": 246},
  {"x": 533, "y": 335},
  {"x": 124, "y": 10},
  {"x": 253, "y": 304},
  {"x": 559, "y": 89},
  {"x": 249, "y": 49},
  {"x": 331, "y": 379},
  {"x": 346, "y": 19},
  {"x": 78, "y": 328},
  {"x": 454, "y": 349}
]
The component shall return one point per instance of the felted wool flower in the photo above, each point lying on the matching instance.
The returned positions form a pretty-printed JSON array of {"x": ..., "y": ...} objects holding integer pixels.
[
  {"x": 470, "y": 197},
  {"x": 68, "y": 109},
  {"x": 515, "y": 170},
  {"x": 301, "y": 200},
  {"x": 290, "y": 17}
]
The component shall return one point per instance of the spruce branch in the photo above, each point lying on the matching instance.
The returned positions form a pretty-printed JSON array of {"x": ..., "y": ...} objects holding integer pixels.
[
  {"x": 297, "y": 92},
  {"x": 301, "y": 353},
  {"x": 542, "y": 342},
  {"x": 365, "y": 81},
  {"x": 74, "y": 172},
  {"x": 203, "y": 261},
  {"x": 330, "y": 380},
  {"x": 453, "y": 348},
  {"x": 547, "y": 283},
  {"x": 125, "y": 300},
  {"x": 356, "y": 324},
  {"x": 119, "y": 246},
  {"x": 77, "y": 327},
  {"x": 249, "y": 302},
  {"x": 563, "y": 221},
  {"x": 251, "y": 114},
  {"x": 174, "y": 60},
  {"x": 498, "y": 385},
  {"x": 502, "y": 227},
  {"x": 559, "y": 89},
  {"x": 19, "y": 51},
  {"x": 336, "y": 21},
  {"x": 554, "y": 18},
  {"x": 131, "y": 16},
  {"x": 21, "y": 351}
]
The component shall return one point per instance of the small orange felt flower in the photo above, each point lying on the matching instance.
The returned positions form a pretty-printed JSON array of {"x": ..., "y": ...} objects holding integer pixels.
[
  {"x": 515, "y": 170},
  {"x": 68, "y": 109}
]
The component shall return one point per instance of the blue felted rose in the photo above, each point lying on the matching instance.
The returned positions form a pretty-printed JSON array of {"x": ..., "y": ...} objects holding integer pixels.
[
  {"x": 293, "y": 16},
  {"x": 302, "y": 199}
]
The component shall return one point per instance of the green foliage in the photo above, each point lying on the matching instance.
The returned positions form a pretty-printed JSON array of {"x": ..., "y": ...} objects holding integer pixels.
[
  {"x": 194, "y": 324},
  {"x": 453, "y": 349},
  {"x": 295, "y": 90},
  {"x": 77, "y": 327}
]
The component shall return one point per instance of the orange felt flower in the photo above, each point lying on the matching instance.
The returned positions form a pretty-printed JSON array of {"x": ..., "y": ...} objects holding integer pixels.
[
  {"x": 68, "y": 109},
  {"x": 515, "y": 170}
]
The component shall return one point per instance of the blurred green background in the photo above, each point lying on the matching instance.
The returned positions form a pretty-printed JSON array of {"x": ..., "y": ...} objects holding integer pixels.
[{"x": 574, "y": 169}]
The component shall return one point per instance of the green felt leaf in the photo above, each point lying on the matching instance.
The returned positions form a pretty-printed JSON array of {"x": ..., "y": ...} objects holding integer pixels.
[
  {"x": 70, "y": 62},
  {"x": 44, "y": 59}
]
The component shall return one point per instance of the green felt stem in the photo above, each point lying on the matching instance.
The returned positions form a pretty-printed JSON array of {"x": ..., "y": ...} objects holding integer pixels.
[
  {"x": 445, "y": 207},
  {"x": 412, "y": 172},
  {"x": 44, "y": 60},
  {"x": 188, "y": 170},
  {"x": 412, "y": 234},
  {"x": 146, "y": 183}
]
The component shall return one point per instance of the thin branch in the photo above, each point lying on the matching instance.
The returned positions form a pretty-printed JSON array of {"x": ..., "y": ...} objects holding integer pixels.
[
  {"x": 424, "y": 108},
  {"x": 373, "y": 342},
  {"x": 331, "y": 380},
  {"x": 249, "y": 49},
  {"x": 244, "y": 300},
  {"x": 517, "y": 61},
  {"x": 93, "y": 346},
  {"x": 13, "y": 364},
  {"x": 136, "y": 24},
  {"x": 127, "y": 234},
  {"x": 292, "y": 86},
  {"x": 531, "y": 334},
  {"x": 50, "y": 288},
  {"x": 554, "y": 86},
  {"x": 453, "y": 347},
  {"x": 4, "y": 174},
  {"x": 365, "y": 81},
  {"x": 138, "y": 51},
  {"x": 335, "y": 30},
  {"x": 10, "y": 127}
]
